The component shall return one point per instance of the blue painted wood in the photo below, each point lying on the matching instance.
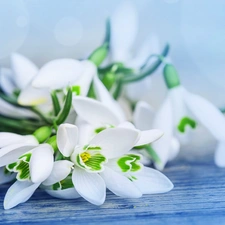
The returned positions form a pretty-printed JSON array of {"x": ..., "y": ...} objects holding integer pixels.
[{"x": 198, "y": 198}]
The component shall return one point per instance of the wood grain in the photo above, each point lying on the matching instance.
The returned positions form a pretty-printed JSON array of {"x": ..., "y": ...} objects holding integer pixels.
[{"x": 198, "y": 198}]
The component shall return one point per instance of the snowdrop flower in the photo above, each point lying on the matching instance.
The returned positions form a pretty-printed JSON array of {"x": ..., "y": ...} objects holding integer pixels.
[
  {"x": 183, "y": 111},
  {"x": 143, "y": 120},
  {"x": 14, "y": 145},
  {"x": 127, "y": 173},
  {"x": 124, "y": 30},
  {"x": 18, "y": 79},
  {"x": 32, "y": 169},
  {"x": 69, "y": 72},
  {"x": 89, "y": 160},
  {"x": 100, "y": 117}
]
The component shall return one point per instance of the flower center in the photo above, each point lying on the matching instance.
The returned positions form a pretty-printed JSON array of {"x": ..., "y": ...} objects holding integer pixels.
[{"x": 85, "y": 156}]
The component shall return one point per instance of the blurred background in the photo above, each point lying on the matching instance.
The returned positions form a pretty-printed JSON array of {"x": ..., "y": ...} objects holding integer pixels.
[{"x": 44, "y": 30}]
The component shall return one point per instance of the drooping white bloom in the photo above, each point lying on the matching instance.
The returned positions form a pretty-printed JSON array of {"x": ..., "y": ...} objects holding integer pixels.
[
  {"x": 18, "y": 78},
  {"x": 89, "y": 159},
  {"x": 124, "y": 25},
  {"x": 181, "y": 112},
  {"x": 143, "y": 120},
  {"x": 32, "y": 168},
  {"x": 14, "y": 145},
  {"x": 61, "y": 73}
]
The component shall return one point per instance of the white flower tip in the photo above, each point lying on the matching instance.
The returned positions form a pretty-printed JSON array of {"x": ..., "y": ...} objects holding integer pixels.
[
  {"x": 41, "y": 163},
  {"x": 67, "y": 138}
]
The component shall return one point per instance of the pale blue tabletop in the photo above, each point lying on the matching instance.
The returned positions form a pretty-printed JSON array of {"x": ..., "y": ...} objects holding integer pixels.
[{"x": 198, "y": 198}]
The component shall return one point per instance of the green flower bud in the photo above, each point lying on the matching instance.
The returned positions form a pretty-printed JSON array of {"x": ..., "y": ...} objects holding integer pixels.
[
  {"x": 98, "y": 56},
  {"x": 108, "y": 80},
  {"x": 42, "y": 133},
  {"x": 171, "y": 76},
  {"x": 52, "y": 141}
]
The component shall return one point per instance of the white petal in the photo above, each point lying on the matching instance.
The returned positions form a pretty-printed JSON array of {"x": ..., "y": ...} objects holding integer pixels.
[
  {"x": 61, "y": 169},
  {"x": 90, "y": 186},
  {"x": 94, "y": 112},
  {"x": 143, "y": 116},
  {"x": 18, "y": 193},
  {"x": 84, "y": 81},
  {"x": 124, "y": 27},
  {"x": 5, "y": 178},
  {"x": 86, "y": 131},
  {"x": 12, "y": 111},
  {"x": 67, "y": 138},
  {"x": 148, "y": 136},
  {"x": 127, "y": 124},
  {"x": 31, "y": 96},
  {"x": 145, "y": 158},
  {"x": 6, "y": 81},
  {"x": 179, "y": 111},
  {"x": 7, "y": 138},
  {"x": 66, "y": 71},
  {"x": 207, "y": 114},
  {"x": 163, "y": 121},
  {"x": 151, "y": 181},
  {"x": 220, "y": 154},
  {"x": 69, "y": 193},
  {"x": 119, "y": 184},
  {"x": 41, "y": 163},
  {"x": 174, "y": 148},
  {"x": 11, "y": 153},
  {"x": 24, "y": 70},
  {"x": 115, "y": 142},
  {"x": 105, "y": 97}
]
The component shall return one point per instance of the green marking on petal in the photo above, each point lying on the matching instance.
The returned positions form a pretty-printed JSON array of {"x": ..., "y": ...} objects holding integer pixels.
[
  {"x": 185, "y": 122},
  {"x": 78, "y": 160},
  {"x": 100, "y": 129},
  {"x": 125, "y": 163},
  {"x": 135, "y": 165},
  {"x": 23, "y": 171},
  {"x": 95, "y": 162},
  {"x": 26, "y": 157},
  {"x": 96, "y": 148},
  {"x": 11, "y": 167},
  {"x": 76, "y": 90},
  {"x": 134, "y": 178},
  {"x": 130, "y": 162}
]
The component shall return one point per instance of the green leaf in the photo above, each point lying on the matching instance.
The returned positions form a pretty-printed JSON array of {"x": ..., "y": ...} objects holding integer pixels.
[
  {"x": 55, "y": 102},
  {"x": 66, "y": 108}
]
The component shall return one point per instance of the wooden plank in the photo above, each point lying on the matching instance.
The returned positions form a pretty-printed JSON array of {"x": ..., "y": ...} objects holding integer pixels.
[{"x": 198, "y": 198}]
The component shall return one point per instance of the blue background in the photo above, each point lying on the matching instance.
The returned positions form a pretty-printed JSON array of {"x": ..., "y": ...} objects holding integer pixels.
[{"x": 44, "y": 30}]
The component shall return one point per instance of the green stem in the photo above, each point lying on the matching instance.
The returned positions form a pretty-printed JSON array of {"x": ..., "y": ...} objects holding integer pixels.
[
  {"x": 36, "y": 111},
  {"x": 55, "y": 102},
  {"x": 151, "y": 70},
  {"x": 152, "y": 153}
]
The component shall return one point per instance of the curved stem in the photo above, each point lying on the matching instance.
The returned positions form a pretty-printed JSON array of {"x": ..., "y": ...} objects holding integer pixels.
[{"x": 152, "y": 69}]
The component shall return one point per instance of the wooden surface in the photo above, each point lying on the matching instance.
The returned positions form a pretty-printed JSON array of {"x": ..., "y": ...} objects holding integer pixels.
[{"x": 198, "y": 198}]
